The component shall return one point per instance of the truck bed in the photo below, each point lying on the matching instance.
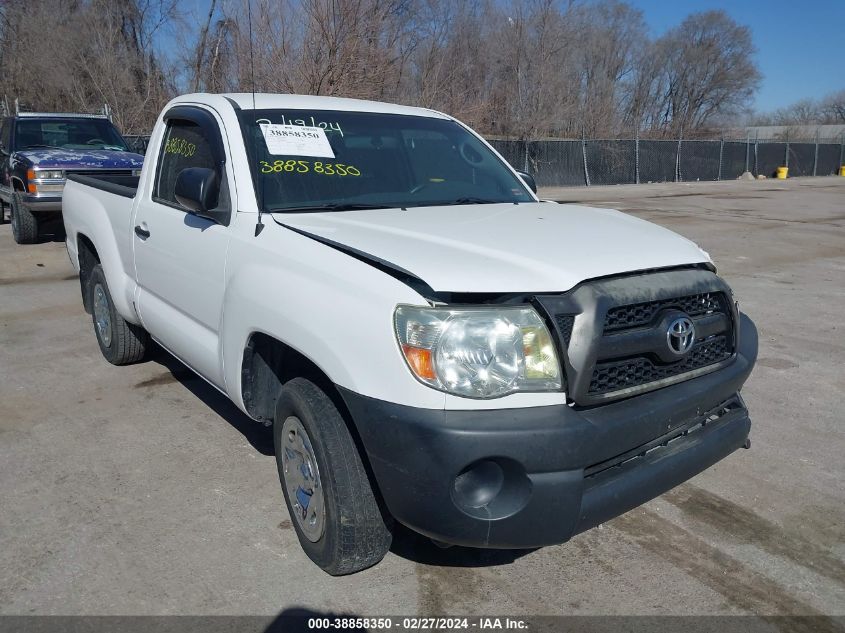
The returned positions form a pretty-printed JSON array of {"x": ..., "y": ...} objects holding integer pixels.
[{"x": 98, "y": 210}]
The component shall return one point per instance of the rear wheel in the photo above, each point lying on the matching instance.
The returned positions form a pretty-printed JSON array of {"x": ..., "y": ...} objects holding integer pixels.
[
  {"x": 24, "y": 222},
  {"x": 120, "y": 342},
  {"x": 329, "y": 497}
]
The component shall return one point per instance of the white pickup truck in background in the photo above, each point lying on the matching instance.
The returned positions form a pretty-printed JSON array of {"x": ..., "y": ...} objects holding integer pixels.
[{"x": 431, "y": 343}]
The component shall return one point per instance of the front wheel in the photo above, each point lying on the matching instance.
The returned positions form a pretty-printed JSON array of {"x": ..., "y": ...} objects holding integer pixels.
[
  {"x": 329, "y": 497},
  {"x": 120, "y": 342},
  {"x": 24, "y": 222}
]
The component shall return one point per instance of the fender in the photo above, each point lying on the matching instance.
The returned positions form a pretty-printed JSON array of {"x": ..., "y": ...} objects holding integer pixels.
[
  {"x": 110, "y": 236},
  {"x": 290, "y": 287}
]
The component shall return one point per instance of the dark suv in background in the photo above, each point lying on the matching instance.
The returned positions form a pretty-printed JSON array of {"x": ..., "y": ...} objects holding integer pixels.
[{"x": 38, "y": 151}]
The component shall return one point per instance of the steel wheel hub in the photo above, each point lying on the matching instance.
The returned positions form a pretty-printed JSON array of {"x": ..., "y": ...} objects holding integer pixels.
[
  {"x": 302, "y": 479},
  {"x": 102, "y": 315}
]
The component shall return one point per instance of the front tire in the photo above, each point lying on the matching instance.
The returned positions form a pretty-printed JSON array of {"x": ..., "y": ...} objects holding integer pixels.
[
  {"x": 120, "y": 342},
  {"x": 332, "y": 505},
  {"x": 24, "y": 222}
]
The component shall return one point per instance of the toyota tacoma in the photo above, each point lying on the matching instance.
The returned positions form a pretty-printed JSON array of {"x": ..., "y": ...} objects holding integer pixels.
[{"x": 431, "y": 343}]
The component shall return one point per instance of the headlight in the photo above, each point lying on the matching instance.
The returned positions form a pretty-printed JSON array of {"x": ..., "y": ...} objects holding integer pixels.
[
  {"x": 50, "y": 174},
  {"x": 136, "y": 172},
  {"x": 478, "y": 352}
]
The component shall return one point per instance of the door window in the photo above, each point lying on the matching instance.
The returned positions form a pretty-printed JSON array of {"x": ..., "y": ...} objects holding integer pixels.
[{"x": 186, "y": 144}]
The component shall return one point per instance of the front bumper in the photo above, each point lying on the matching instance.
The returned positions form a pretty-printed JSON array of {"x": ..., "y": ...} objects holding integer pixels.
[
  {"x": 518, "y": 478},
  {"x": 41, "y": 203}
]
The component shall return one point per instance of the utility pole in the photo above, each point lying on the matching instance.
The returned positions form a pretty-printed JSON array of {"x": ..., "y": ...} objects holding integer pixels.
[
  {"x": 637, "y": 153},
  {"x": 584, "y": 155},
  {"x": 747, "y": 148},
  {"x": 786, "y": 157},
  {"x": 678, "y": 157}
]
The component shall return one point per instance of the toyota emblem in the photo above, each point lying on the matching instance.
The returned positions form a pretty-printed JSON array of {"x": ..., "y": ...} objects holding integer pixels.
[{"x": 680, "y": 335}]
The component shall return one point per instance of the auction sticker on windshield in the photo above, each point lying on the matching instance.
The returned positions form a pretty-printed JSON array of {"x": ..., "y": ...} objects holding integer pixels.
[{"x": 296, "y": 140}]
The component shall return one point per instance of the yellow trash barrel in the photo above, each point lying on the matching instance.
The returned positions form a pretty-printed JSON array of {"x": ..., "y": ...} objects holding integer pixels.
[
  {"x": 782, "y": 172},
  {"x": 842, "y": 171}
]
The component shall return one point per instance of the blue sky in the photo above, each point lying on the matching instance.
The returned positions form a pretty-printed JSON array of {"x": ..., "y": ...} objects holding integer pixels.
[{"x": 800, "y": 43}]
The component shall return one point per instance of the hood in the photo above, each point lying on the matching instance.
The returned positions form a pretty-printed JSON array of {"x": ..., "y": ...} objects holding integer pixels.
[
  {"x": 81, "y": 159},
  {"x": 503, "y": 248}
]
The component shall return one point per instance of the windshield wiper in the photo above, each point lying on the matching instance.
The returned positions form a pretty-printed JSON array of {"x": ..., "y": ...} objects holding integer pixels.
[
  {"x": 332, "y": 206},
  {"x": 458, "y": 201},
  {"x": 41, "y": 146},
  {"x": 471, "y": 200}
]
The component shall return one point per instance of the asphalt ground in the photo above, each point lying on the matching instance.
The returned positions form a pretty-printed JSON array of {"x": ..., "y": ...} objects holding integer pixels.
[{"x": 141, "y": 490}]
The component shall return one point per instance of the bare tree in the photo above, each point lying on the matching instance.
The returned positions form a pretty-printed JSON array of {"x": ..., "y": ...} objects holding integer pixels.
[
  {"x": 517, "y": 68},
  {"x": 115, "y": 63},
  {"x": 803, "y": 112},
  {"x": 451, "y": 68},
  {"x": 833, "y": 107},
  {"x": 201, "y": 51},
  {"x": 36, "y": 75},
  {"x": 708, "y": 71},
  {"x": 613, "y": 38},
  {"x": 99, "y": 51},
  {"x": 806, "y": 112}
]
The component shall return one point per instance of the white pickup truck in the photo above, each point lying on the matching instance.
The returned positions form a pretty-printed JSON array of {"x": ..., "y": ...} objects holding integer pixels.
[{"x": 431, "y": 343}]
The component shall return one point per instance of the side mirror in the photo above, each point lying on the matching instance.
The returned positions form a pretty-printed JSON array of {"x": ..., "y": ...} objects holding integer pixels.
[
  {"x": 197, "y": 189},
  {"x": 528, "y": 179}
]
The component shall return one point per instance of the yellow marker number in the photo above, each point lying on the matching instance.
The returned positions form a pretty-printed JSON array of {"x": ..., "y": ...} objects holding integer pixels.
[
  {"x": 304, "y": 167},
  {"x": 176, "y": 145}
]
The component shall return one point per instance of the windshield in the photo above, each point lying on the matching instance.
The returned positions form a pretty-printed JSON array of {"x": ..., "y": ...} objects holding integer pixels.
[
  {"x": 68, "y": 134},
  {"x": 326, "y": 160}
]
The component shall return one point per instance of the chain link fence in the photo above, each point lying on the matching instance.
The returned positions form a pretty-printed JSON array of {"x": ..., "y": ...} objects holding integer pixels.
[{"x": 569, "y": 163}]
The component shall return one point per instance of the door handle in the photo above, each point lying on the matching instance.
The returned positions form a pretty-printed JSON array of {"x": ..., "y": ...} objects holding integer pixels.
[{"x": 141, "y": 232}]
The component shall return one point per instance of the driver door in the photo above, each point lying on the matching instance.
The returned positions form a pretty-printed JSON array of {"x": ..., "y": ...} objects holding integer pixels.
[{"x": 180, "y": 258}]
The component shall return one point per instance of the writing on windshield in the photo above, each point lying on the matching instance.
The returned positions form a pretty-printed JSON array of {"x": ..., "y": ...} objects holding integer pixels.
[{"x": 379, "y": 160}]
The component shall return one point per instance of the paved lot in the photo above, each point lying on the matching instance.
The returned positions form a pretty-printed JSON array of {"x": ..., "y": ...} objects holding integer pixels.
[{"x": 140, "y": 490}]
